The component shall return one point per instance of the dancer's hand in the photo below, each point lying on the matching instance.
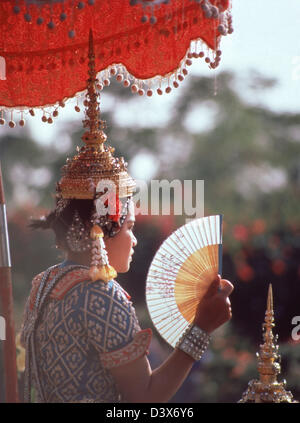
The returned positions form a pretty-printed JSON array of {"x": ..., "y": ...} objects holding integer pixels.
[{"x": 214, "y": 309}]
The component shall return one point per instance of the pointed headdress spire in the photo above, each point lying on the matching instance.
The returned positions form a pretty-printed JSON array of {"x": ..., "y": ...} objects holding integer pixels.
[{"x": 95, "y": 135}]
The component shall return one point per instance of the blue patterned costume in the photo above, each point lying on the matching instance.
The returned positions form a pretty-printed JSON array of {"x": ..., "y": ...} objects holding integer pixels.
[{"x": 84, "y": 329}]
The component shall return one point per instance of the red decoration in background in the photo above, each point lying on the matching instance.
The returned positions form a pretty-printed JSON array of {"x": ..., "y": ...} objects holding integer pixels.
[{"x": 46, "y": 65}]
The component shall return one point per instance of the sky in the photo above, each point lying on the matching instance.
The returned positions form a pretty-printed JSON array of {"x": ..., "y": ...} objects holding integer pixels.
[{"x": 265, "y": 41}]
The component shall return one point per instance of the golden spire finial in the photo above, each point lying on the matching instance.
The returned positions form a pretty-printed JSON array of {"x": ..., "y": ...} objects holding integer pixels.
[
  {"x": 268, "y": 367},
  {"x": 95, "y": 136},
  {"x": 267, "y": 389}
]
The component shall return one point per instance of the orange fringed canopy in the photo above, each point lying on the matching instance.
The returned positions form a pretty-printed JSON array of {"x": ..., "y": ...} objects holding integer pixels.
[{"x": 44, "y": 66}]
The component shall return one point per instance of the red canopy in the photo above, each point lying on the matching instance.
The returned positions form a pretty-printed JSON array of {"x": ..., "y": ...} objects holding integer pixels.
[{"x": 45, "y": 56}]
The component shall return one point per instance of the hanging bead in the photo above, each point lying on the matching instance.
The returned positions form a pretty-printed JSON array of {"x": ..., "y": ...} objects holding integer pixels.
[
  {"x": 126, "y": 82},
  {"x": 188, "y": 62},
  {"x": 31, "y": 111},
  {"x": 208, "y": 14},
  {"x": 153, "y": 20},
  {"x": 207, "y": 59},
  {"x": 86, "y": 103},
  {"x": 44, "y": 118},
  {"x": 39, "y": 20},
  {"x": 144, "y": 19},
  {"x": 221, "y": 29},
  {"x": 185, "y": 71},
  {"x": 175, "y": 84},
  {"x": 168, "y": 90},
  {"x": 113, "y": 71},
  {"x": 16, "y": 10},
  {"x": 27, "y": 17},
  {"x": 2, "y": 121},
  {"x": 50, "y": 120},
  {"x": 106, "y": 82},
  {"x": 22, "y": 122},
  {"x": 55, "y": 113},
  {"x": 119, "y": 77},
  {"x": 77, "y": 108},
  {"x": 195, "y": 55},
  {"x": 11, "y": 124},
  {"x": 99, "y": 87},
  {"x": 141, "y": 92},
  {"x": 149, "y": 93},
  {"x": 180, "y": 78},
  {"x": 63, "y": 17},
  {"x": 71, "y": 33},
  {"x": 159, "y": 91},
  {"x": 215, "y": 12},
  {"x": 91, "y": 2},
  {"x": 204, "y": 7},
  {"x": 201, "y": 54},
  {"x": 134, "y": 88},
  {"x": 62, "y": 104},
  {"x": 80, "y": 5}
]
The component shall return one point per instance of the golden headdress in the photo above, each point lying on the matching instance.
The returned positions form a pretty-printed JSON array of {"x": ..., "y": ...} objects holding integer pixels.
[
  {"x": 84, "y": 174},
  {"x": 94, "y": 161}
]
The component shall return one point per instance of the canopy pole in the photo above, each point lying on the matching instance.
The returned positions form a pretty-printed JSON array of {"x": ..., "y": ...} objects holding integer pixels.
[{"x": 9, "y": 344}]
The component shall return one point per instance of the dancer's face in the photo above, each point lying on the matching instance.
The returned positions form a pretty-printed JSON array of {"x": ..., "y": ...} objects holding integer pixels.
[{"x": 120, "y": 247}]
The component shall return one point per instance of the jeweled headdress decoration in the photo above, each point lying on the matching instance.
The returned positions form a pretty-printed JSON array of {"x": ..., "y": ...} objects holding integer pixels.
[{"x": 93, "y": 171}]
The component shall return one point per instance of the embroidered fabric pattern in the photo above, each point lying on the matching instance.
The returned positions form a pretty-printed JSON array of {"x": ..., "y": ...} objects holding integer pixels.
[
  {"x": 136, "y": 349},
  {"x": 90, "y": 320},
  {"x": 65, "y": 284}
]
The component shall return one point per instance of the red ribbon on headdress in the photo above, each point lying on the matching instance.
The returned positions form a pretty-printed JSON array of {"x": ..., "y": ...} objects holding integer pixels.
[{"x": 114, "y": 207}]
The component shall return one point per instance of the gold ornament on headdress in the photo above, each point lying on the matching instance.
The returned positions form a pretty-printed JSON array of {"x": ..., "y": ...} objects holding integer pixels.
[
  {"x": 267, "y": 388},
  {"x": 94, "y": 163}
]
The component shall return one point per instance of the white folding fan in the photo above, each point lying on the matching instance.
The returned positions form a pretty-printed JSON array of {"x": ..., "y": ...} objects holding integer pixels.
[{"x": 181, "y": 273}]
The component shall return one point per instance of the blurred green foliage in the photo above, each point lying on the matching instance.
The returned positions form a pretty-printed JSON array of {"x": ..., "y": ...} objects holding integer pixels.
[{"x": 249, "y": 158}]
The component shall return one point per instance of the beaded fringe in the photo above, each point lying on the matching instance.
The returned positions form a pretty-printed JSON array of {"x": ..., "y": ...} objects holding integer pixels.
[{"x": 158, "y": 84}]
